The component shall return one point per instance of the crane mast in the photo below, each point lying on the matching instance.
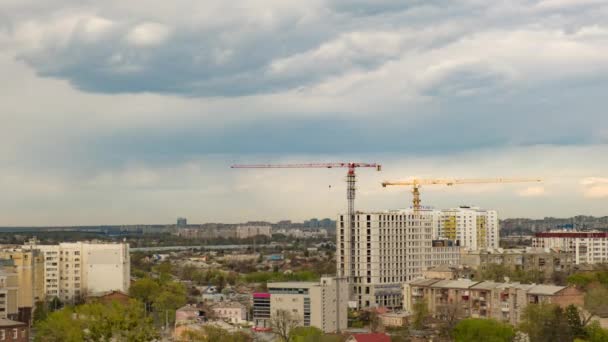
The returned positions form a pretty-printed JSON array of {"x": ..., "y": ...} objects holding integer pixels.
[{"x": 351, "y": 189}]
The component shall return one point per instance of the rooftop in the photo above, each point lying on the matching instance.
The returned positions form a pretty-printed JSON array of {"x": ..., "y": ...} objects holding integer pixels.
[
  {"x": 545, "y": 289},
  {"x": 292, "y": 285},
  {"x": 10, "y": 323}
]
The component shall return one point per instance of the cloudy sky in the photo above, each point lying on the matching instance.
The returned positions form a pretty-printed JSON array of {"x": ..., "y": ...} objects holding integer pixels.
[{"x": 132, "y": 111}]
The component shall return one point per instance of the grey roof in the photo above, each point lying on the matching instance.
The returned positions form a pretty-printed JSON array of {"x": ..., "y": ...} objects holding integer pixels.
[
  {"x": 423, "y": 282},
  {"x": 485, "y": 285},
  {"x": 545, "y": 289},
  {"x": 10, "y": 323},
  {"x": 455, "y": 284}
]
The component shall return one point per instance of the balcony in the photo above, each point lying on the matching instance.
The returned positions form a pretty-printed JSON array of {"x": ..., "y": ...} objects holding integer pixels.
[{"x": 504, "y": 307}]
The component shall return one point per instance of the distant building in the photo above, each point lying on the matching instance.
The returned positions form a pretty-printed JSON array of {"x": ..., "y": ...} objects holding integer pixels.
[
  {"x": 245, "y": 232},
  {"x": 320, "y": 304},
  {"x": 371, "y": 337},
  {"x": 9, "y": 296},
  {"x": 471, "y": 227},
  {"x": 261, "y": 311},
  {"x": 79, "y": 269},
  {"x": 13, "y": 331},
  {"x": 29, "y": 267},
  {"x": 232, "y": 312},
  {"x": 182, "y": 222},
  {"x": 588, "y": 247},
  {"x": 385, "y": 249},
  {"x": 544, "y": 260},
  {"x": 394, "y": 319},
  {"x": 485, "y": 299}
]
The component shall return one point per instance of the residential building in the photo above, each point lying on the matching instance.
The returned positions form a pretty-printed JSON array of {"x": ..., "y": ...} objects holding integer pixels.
[
  {"x": 485, "y": 299},
  {"x": 589, "y": 247},
  {"x": 320, "y": 304},
  {"x": 373, "y": 337},
  {"x": 261, "y": 311},
  {"x": 182, "y": 222},
  {"x": 394, "y": 319},
  {"x": 245, "y": 232},
  {"x": 384, "y": 249},
  {"x": 13, "y": 331},
  {"x": 302, "y": 233},
  {"x": 232, "y": 312},
  {"x": 544, "y": 260},
  {"x": 76, "y": 270},
  {"x": 29, "y": 266},
  {"x": 471, "y": 227},
  {"x": 9, "y": 296}
]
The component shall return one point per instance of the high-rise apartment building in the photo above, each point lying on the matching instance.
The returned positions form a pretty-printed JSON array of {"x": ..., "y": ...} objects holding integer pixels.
[
  {"x": 472, "y": 228},
  {"x": 589, "y": 247},
  {"x": 385, "y": 249},
  {"x": 244, "y": 232},
  {"x": 9, "y": 295},
  {"x": 29, "y": 266},
  {"x": 75, "y": 270},
  {"x": 322, "y": 304}
]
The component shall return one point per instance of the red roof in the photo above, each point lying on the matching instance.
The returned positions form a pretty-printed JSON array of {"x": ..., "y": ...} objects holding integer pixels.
[{"x": 371, "y": 337}]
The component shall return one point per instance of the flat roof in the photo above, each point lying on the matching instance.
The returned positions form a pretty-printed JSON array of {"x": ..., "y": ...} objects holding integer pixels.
[
  {"x": 292, "y": 285},
  {"x": 455, "y": 284},
  {"x": 423, "y": 282},
  {"x": 545, "y": 289},
  {"x": 485, "y": 285},
  {"x": 10, "y": 323}
]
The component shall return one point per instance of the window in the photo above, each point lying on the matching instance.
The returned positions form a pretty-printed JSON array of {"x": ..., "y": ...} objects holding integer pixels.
[
  {"x": 15, "y": 334},
  {"x": 2, "y": 335}
]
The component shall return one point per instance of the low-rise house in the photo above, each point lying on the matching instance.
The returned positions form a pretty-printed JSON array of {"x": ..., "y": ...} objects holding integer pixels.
[
  {"x": 232, "y": 312},
  {"x": 109, "y": 297},
  {"x": 374, "y": 337},
  {"x": 394, "y": 319},
  {"x": 13, "y": 331}
]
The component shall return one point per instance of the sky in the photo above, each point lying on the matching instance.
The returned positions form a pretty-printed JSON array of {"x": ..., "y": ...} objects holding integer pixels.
[{"x": 131, "y": 112}]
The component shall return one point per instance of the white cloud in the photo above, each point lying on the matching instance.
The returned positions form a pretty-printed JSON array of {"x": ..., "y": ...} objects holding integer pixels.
[
  {"x": 532, "y": 191},
  {"x": 595, "y": 187},
  {"x": 148, "y": 34}
]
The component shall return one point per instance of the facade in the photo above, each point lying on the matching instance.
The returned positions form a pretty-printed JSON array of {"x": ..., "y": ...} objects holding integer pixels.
[
  {"x": 485, "y": 299},
  {"x": 76, "y": 270},
  {"x": 544, "y": 260},
  {"x": 9, "y": 296},
  {"x": 394, "y": 319},
  {"x": 319, "y": 304},
  {"x": 245, "y": 232},
  {"x": 588, "y": 247},
  {"x": 471, "y": 227},
  {"x": 385, "y": 249},
  {"x": 261, "y": 311},
  {"x": 29, "y": 266},
  {"x": 182, "y": 222},
  {"x": 12, "y": 331},
  {"x": 302, "y": 233},
  {"x": 232, "y": 312}
]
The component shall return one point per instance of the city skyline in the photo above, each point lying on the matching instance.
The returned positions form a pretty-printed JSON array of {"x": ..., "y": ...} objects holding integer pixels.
[{"x": 127, "y": 113}]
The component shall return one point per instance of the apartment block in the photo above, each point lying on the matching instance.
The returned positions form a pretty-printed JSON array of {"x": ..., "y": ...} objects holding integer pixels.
[
  {"x": 13, "y": 331},
  {"x": 484, "y": 299},
  {"x": 75, "y": 270},
  {"x": 322, "y": 304},
  {"x": 9, "y": 295},
  {"x": 261, "y": 311},
  {"x": 544, "y": 260},
  {"x": 245, "y": 232},
  {"x": 29, "y": 266},
  {"x": 589, "y": 247},
  {"x": 384, "y": 249},
  {"x": 471, "y": 227}
]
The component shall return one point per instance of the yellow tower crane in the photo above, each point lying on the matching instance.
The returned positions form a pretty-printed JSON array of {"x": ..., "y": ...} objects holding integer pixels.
[{"x": 416, "y": 183}]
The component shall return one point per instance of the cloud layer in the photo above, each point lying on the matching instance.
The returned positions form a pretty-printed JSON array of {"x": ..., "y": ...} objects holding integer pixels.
[{"x": 129, "y": 112}]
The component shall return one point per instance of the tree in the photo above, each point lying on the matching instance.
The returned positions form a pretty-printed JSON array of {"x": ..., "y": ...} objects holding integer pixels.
[
  {"x": 421, "y": 313},
  {"x": 212, "y": 333},
  {"x": 281, "y": 323},
  {"x": 450, "y": 314},
  {"x": 596, "y": 301},
  {"x": 487, "y": 330},
  {"x": 575, "y": 321},
  {"x": 96, "y": 322},
  {"x": 546, "y": 323},
  {"x": 595, "y": 333},
  {"x": 305, "y": 334}
]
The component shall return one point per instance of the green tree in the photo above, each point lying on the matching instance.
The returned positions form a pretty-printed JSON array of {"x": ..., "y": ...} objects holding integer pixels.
[
  {"x": 421, "y": 313},
  {"x": 595, "y": 333},
  {"x": 546, "y": 323},
  {"x": 212, "y": 333},
  {"x": 171, "y": 296},
  {"x": 305, "y": 334},
  {"x": 596, "y": 300},
  {"x": 97, "y": 322},
  {"x": 486, "y": 330},
  {"x": 575, "y": 322}
]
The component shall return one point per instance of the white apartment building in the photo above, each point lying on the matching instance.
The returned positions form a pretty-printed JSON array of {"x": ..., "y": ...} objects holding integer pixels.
[
  {"x": 322, "y": 304},
  {"x": 472, "y": 228},
  {"x": 588, "y": 247},
  {"x": 385, "y": 249},
  {"x": 72, "y": 270},
  {"x": 244, "y": 232},
  {"x": 9, "y": 295}
]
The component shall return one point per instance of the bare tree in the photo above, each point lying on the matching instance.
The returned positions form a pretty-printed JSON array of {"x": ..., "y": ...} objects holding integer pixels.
[
  {"x": 282, "y": 322},
  {"x": 450, "y": 313}
]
